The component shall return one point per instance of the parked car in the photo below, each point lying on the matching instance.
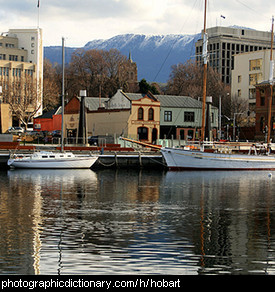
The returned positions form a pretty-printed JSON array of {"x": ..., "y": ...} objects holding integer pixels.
[
  {"x": 19, "y": 130},
  {"x": 16, "y": 130},
  {"x": 56, "y": 133}
]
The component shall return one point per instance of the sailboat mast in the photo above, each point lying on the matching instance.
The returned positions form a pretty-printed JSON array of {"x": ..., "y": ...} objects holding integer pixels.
[
  {"x": 63, "y": 93},
  {"x": 204, "y": 55},
  {"x": 270, "y": 83}
]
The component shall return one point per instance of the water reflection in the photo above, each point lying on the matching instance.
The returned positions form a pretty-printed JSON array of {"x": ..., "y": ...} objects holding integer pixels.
[
  {"x": 234, "y": 232},
  {"x": 119, "y": 222}
]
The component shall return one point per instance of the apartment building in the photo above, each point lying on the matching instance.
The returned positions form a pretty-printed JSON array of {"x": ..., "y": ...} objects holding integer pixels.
[
  {"x": 250, "y": 69},
  {"x": 21, "y": 58},
  {"x": 226, "y": 42}
]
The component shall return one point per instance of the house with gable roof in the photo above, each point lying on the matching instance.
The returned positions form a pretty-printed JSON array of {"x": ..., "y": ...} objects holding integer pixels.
[
  {"x": 144, "y": 120},
  {"x": 181, "y": 117},
  {"x": 133, "y": 115}
]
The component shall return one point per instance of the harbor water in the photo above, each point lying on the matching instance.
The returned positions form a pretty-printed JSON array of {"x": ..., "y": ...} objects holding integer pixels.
[{"x": 62, "y": 222}]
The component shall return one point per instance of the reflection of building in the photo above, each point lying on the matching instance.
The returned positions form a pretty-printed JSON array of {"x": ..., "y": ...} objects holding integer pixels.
[
  {"x": 225, "y": 42},
  {"x": 250, "y": 68},
  {"x": 21, "y": 60}
]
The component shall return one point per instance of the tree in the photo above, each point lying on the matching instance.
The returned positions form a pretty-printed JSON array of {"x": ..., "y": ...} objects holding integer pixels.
[
  {"x": 186, "y": 80},
  {"x": 23, "y": 97},
  {"x": 51, "y": 88},
  {"x": 96, "y": 71},
  {"x": 145, "y": 87}
]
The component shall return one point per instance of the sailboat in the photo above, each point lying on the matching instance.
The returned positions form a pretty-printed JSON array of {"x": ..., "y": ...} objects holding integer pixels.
[
  {"x": 52, "y": 160},
  {"x": 203, "y": 159}
]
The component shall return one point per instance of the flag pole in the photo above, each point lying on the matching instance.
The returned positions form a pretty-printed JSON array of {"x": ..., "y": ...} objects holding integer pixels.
[{"x": 38, "y": 13}]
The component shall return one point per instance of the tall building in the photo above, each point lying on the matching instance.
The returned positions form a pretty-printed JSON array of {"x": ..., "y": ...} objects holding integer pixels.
[
  {"x": 250, "y": 69},
  {"x": 225, "y": 42},
  {"x": 21, "y": 59},
  {"x": 129, "y": 72}
]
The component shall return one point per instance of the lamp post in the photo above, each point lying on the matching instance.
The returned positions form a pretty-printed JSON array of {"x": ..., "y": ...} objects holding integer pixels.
[
  {"x": 82, "y": 129},
  {"x": 234, "y": 125}
]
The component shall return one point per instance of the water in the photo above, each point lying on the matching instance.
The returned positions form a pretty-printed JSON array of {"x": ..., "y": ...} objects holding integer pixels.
[{"x": 136, "y": 222}]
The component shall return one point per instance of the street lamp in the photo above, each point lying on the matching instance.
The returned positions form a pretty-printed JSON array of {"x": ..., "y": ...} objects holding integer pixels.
[
  {"x": 234, "y": 125},
  {"x": 82, "y": 128}
]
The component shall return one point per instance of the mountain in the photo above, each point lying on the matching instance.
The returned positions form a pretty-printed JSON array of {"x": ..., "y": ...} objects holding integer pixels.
[{"x": 153, "y": 54}]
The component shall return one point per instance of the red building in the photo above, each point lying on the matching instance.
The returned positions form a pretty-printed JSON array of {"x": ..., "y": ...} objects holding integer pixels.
[
  {"x": 262, "y": 100},
  {"x": 49, "y": 121}
]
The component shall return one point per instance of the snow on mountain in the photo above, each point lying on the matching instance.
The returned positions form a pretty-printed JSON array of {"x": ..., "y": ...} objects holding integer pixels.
[{"x": 154, "y": 54}]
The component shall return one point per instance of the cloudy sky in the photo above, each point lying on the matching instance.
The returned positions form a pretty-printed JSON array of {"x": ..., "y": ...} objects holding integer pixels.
[{"x": 80, "y": 21}]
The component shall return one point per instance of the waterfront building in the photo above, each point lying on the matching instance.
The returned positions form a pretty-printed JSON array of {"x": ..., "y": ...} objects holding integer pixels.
[
  {"x": 180, "y": 117},
  {"x": 133, "y": 115},
  {"x": 49, "y": 121},
  {"x": 262, "y": 106},
  {"x": 144, "y": 117},
  {"x": 21, "y": 62},
  {"x": 225, "y": 42},
  {"x": 250, "y": 69}
]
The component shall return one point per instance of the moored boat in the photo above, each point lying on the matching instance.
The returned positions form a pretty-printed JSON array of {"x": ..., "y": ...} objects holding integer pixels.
[
  {"x": 199, "y": 159},
  {"x": 51, "y": 160},
  {"x": 184, "y": 159}
]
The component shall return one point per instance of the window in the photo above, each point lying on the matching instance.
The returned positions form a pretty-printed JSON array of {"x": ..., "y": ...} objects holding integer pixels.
[
  {"x": 189, "y": 117},
  {"x": 239, "y": 79},
  {"x": 256, "y": 64},
  {"x": 151, "y": 114},
  {"x": 143, "y": 133},
  {"x": 239, "y": 92},
  {"x": 255, "y": 78},
  {"x": 168, "y": 116},
  {"x": 140, "y": 113},
  {"x": 252, "y": 93}
]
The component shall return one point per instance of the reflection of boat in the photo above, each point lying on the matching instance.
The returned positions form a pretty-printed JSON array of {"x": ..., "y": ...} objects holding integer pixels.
[
  {"x": 178, "y": 158},
  {"x": 66, "y": 160},
  {"x": 46, "y": 176}
]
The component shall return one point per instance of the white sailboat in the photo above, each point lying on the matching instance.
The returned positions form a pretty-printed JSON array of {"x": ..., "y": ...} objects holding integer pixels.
[
  {"x": 188, "y": 158},
  {"x": 54, "y": 160}
]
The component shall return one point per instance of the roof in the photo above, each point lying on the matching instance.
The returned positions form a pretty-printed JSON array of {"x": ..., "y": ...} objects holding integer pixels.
[
  {"x": 92, "y": 103},
  {"x": 178, "y": 101},
  {"x": 50, "y": 114},
  {"x": 137, "y": 96},
  {"x": 264, "y": 83}
]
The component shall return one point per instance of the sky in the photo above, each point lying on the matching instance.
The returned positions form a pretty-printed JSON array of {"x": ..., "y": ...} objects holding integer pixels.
[{"x": 80, "y": 21}]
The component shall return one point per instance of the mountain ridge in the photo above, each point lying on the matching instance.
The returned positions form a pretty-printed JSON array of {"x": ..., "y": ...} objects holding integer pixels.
[{"x": 154, "y": 54}]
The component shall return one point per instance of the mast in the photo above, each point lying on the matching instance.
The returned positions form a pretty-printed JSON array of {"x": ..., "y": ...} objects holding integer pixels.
[
  {"x": 63, "y": 93},
  {"x": 204, "y": 55},
  {"x": 271, "y": 68}
]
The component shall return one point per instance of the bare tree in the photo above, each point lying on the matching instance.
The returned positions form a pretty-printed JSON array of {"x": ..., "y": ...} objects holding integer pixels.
[
  {"x": 186, "y": 79},
  {"x": 51, "y": 88},
  {"x": 23, "y": 96}
]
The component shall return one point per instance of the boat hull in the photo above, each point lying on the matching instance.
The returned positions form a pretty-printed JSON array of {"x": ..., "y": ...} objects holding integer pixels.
[
  {"x": 73, "y": 163},
  {"x": 180, "y": 159}
]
